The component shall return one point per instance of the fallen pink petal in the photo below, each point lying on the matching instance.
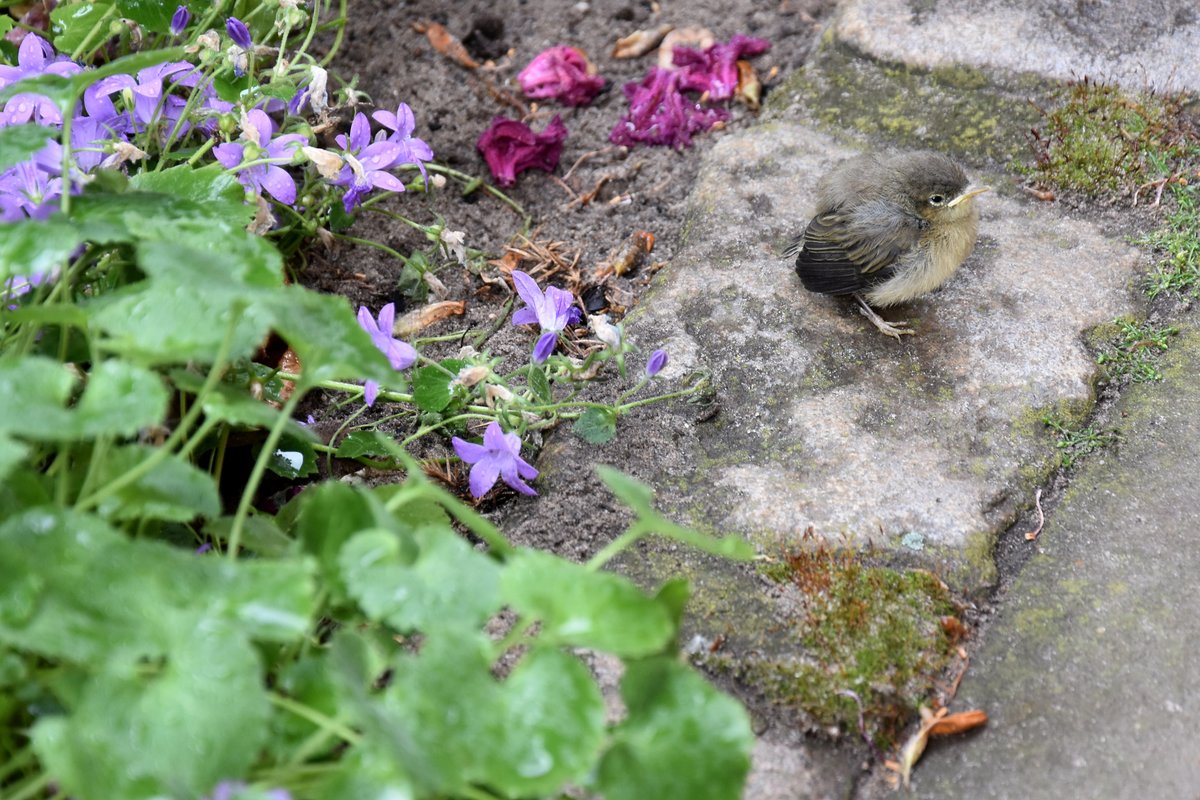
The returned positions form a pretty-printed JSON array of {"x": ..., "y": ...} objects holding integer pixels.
[
  {"x": 714, "y": 70},
  {"x": 659, "y": 113},
  {"x": 562, "y": 73},
  {"x": 510, "y": 147}
]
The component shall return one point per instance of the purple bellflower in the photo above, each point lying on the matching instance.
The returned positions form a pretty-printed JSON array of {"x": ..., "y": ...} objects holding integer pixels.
[
  {"x": 366, "y": 162},
  {"x": 552, "y": 310},
  {"x": 401, "y": 124},
  {"x": 180, "y": 20},
  {"x": 36, "y": 56},
  {"x": 564, "y": 73},
  {"x": 656, "y": 362},
  {"x": 238, "y": 31},
  {"x": 510, "y": 147},
  {"x": 714, "y": 70},
  {"x": 659, "y": 114},
  {"x": 499, "y": 457},
  {"x": 272, "y": 178},
  {"x": 401, "y": 355}
]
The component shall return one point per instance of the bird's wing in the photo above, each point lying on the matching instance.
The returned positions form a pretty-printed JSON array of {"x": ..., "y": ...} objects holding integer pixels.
[{"x": 840, "y": 251}]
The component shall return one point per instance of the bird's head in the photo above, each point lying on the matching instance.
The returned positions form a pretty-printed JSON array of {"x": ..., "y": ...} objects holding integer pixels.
[{"x": 937, "y": 187}]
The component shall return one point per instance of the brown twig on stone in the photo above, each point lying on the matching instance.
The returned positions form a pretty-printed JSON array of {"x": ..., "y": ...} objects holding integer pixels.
[{"x": 1037, "y": 501}]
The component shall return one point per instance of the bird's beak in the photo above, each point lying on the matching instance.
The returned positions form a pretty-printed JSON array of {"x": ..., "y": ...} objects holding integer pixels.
[{"x": 968, "y": 195}]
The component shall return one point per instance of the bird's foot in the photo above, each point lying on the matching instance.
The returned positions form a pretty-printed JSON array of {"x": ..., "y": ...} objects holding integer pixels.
[{"x": 893, "y": 329}]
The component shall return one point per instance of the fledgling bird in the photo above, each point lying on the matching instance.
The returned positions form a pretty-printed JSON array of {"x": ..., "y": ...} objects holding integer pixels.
[{"x": 888, "y": 228}]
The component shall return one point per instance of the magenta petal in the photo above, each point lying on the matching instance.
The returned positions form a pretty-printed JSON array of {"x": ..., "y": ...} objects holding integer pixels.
[
  {"x": 509, "y": 147},
  {"x": 483, "y": 476}
]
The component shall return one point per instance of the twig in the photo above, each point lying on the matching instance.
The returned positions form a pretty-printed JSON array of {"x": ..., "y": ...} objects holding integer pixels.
[
  {"x": 1037, "y": 501},
  {"x": 585, "y": 157},
  {"x": 862, "y": 723}
]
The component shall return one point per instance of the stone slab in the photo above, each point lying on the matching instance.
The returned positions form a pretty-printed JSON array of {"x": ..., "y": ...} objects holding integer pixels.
[
  {"x": 1137, "y": 43},
  {"x": 823, "y": 422},
  {"x": 1090, "y": 673}
]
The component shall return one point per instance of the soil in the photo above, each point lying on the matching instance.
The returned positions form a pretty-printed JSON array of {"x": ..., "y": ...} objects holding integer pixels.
[{"x": 599, "y": 196}]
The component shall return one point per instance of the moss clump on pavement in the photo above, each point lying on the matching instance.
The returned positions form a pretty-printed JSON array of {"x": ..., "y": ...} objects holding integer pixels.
[
  {"x": 873, "y": 631},
  {"x": 1098, "y": 140},
  {"x": 1179, "y": 241}
]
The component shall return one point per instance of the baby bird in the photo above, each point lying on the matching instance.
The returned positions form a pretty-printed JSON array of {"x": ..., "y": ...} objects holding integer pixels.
[{"x": 888, "y": 228}]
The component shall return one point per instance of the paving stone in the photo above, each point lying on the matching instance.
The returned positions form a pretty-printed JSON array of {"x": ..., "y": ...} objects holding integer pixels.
[
  {"x": 1139, "y": 43},
  {"x": 1090, "y": 673}
]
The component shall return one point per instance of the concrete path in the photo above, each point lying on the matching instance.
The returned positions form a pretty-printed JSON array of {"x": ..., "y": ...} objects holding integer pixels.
[{"x": 1091, "y": 671}]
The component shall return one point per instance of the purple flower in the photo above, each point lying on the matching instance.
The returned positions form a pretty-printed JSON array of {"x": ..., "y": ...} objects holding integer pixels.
[
  {"x": 180, "y": 20},
  {"x": 545, "y": 346},
  {"x": 151, "y": 104},
  {"x": 271, "y": 177},
  {"x": 27, "y": 191},
  {"x": 36, "y": 57},
  {"x": 498, "y": 457},
  {"x": 660, "y": 114},
  {"x": 229, "y": 790},
  {"x": 238, "y": 31},
  {"x": 26, "y": 107},
  {"x": 510, "y": 147},
  {"x": 552, "y": 311},
  {"x": 563, "y": 73},
  {"x": 656, "y": 362},
  {"x": 402, "y": 124},
  {"x": 365, "y": 163},
  {"x": 715, "y": 69},
  {"x": 401, "y": 355}
]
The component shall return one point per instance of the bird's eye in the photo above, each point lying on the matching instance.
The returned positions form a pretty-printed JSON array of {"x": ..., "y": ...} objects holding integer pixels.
[{"x": 937, "y": 199}]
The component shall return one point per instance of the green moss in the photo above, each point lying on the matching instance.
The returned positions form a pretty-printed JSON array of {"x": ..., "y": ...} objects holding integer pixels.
[
  {"x": 1098, "y": 139},
  {"x": 955, "y": 109},
  {"x": 874, "y": 631}
]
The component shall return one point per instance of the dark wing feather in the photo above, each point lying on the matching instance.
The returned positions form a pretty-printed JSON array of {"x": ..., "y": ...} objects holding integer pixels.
[{"x": 845, "y": 252}]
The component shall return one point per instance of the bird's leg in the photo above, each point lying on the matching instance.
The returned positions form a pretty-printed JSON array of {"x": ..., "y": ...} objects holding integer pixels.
[{"x": 893, "y": 329}]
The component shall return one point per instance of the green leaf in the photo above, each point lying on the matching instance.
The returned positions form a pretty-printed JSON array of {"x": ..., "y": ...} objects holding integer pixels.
[
  {"x": 329, "y": 514},
  {"x": 582, "y": 608},
  {"x": 638, "y": 496},
  {"x": 553, "y": 725},
  {"x": 72, "y": 24},
  {"x": 260, "y": 534},
  {"x": 327, "y": 338},
  {"x": 367, "y": 771},
  {"x": 12, "y": 453},
  {"x": 154, "y": 15},
  {"x": 212, "y": 186},
  {"x": 173, "y": 490},
  {"x": 429, "y": 579},
  {"x": 77, "y": 589},
  {"x": 32, "y": 247},
  {"x": 540, "y": 385},
  {"x": 19, "y": 142},
  {"x": 431, "y": 385},
  {"x": 64, "y": 91},
  {"x": 293, "y": 458},
  {"x": 363, "y": 443},
  {"x": 172, "y": 727},
  {"x": 120, "y": 400},
  {"x": 596, "y": 425},
  {"x": 34, "y": 391},
  {"x": 682, "y": 737}
]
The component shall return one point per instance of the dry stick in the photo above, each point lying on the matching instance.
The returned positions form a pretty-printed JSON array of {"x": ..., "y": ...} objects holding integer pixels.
[
  {"x": 1037, "y": 501},
  {"x": 585, "y": 157}
]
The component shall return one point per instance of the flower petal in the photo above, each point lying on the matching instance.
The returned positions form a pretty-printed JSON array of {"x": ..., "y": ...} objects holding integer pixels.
[
  {"x": 469, "y": 451},
  {"x": 524, "y": 316},
  {"x": 279, "y": 184},
  {"x": 494, "y": 439},
  {"x": 366, "y": 321},
  {"x": 370, "y": 392},
  {"x": 483, "y": 476}
]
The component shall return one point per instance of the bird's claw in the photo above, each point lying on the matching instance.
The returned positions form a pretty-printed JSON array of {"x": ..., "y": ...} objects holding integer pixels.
[{"x": 893, "y": 329}]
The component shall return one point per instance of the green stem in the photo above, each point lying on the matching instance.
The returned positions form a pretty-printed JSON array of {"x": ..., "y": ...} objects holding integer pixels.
[
  {"x": 341, "y": 34},
  {"x": 31, "y": 789},
  {"x": 610, "y": 550},
  {"x": 260, "y": 467},
  {"x": 326, "y": 723},
  {"x": 465, "y": 178},
  {"x": 371, "y": 243}
]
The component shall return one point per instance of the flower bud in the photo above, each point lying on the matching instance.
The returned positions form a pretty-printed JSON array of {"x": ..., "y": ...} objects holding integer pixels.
[{"x": 658, "y": 360}]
